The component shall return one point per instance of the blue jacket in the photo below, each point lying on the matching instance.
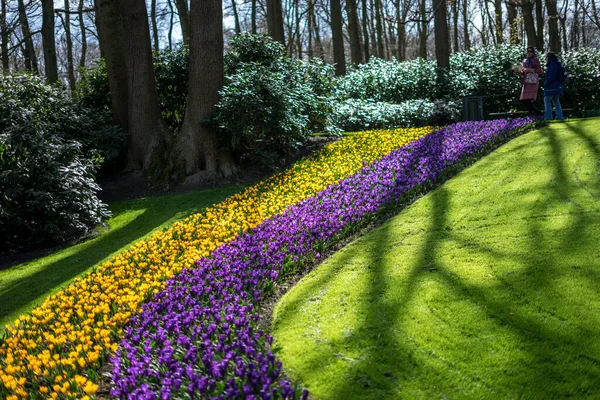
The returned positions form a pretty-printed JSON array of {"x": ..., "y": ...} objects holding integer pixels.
[{"x": 552, "y": 85}]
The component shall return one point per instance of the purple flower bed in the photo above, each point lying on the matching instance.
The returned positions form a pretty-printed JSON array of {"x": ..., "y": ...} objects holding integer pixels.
[{"x": 200, "y": 338}]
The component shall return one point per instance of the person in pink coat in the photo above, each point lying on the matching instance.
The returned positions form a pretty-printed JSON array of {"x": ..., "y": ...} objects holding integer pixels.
[{"x": 530, "y": 79}]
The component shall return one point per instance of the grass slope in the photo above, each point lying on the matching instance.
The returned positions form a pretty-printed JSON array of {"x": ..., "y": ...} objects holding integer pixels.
[
  {"x": 487, "y": 287},
  {"x": 24, "y": 286}
]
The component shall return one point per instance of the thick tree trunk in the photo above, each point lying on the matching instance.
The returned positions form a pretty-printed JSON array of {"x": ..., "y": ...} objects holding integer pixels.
[
  {"x": 31, "y": 63},
  {"x": 366, "y": 45},
  {"x": 498, "y": 21},
  {"x": 337, "y": 34},
  {"x": 69, "y": 40},
  {"x": 442, "y": 38},
  {"x": 48, "y": 41},
  {"x": 184, "y": 19},
  {"x": 466, "y": 25},
  {"x": 539, "y": 29},
  {"x": 423, "y": 30},
  {"x": 353, "y": 34},
  {"x": 275, "y": 20},
  {"x": 309, "y": 27},
  {"x": 196, "y": 147},
  {"x": 511, "y": 10},
  {"x": 84, "y": 45},
  {"x": 154, "y": 25},
  {"x": 148, "y": 134},
  {"x": 553, "y": 34},
  {"x": 4, "y": 38},
  {"x": 111, "y": 38},
  {"x": 527, "y": 7}
]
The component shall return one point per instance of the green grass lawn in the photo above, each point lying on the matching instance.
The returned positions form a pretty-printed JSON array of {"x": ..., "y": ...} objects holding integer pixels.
[
  {"x": 24, "y": 286},
  {"x": 486, "y": 288}
]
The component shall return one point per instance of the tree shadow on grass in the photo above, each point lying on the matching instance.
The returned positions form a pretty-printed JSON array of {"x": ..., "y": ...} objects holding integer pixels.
[
  {"x": 554, "y": 341},
  {"x": 22, "y": 293}
]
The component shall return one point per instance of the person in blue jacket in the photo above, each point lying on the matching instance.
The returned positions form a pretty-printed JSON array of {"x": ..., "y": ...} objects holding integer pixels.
[{"x": 553, "y": 86}]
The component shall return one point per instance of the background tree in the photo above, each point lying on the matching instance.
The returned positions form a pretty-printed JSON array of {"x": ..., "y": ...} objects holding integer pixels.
[
  {"x": 442, "y": 38},
  {"x": 275, "y": 20},
  {"x": 337, "y": 34},
  {"x": 49, "y": 41},
  {"x": 111, "y": 36}
]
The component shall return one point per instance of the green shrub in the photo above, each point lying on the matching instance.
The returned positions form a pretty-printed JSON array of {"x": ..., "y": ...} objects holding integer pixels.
[
  {"x": 390, "y": 81},
  {"x": 47, "y": 188},
  {"x": 49, "y": 148},
  {"x": 26, "y": 97},
  {"x": 171, "y": 69},
  {"x": 355, "y": 115},
  {"x": 271, "y": 103},
  {"x": 581, "y": 91}
]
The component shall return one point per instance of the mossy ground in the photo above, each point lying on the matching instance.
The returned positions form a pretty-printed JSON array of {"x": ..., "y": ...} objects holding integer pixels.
[{"x": 487, "y": 287}]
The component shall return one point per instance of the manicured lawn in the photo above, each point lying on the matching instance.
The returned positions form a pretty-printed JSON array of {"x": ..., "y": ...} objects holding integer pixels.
[
  {"x": 488, "y": 287},
  {"x": 24, "y": 286}
]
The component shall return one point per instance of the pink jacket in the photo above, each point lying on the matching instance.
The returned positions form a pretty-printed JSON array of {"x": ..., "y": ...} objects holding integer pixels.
[{"x": 529, "y": 90}]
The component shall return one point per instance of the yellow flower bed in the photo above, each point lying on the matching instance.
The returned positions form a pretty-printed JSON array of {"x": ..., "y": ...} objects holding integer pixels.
[{"x": 57, "y": 349}]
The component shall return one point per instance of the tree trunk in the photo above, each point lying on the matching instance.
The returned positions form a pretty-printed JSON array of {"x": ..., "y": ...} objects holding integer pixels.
[
  {"x": 154, "y": 25},
  {"x": 48, "y": 41},
  {"x": 423, "y": 30},
  {"x": 31, "y": 63},
  {"x": 539, "y": 29},
  {"x": 70, "y": 64},
  {"x": 111, "y": 38},
  {"x": 498, "y": 21},
  {"x": 148, "y": 134},
  {"x": 529, "y": 23},
  {"x": 84, "y": 45},
  {"x": 400, "y": 21},
  {"x": 379, "y": 27},
  {"x": 298, "y": 31},
  {"x": 512, "y": 22},
  {"x": 366, "y": 45},
  {"x": 466, "y": 25},
  {"x": 275, "y": 20},
  {"x": 318, "y": 42},
  {"x": 355, "y": 52},
  {"x": 575, "y": 27},
  {"x": 553, "y": 34},
  {"x": 4, "y": 38},
  {"x": 309, "y": 26},
  {"x": 184, "y": 19},
  {"x": 454, "y": 4},
  {"x": 236, "y": 18},
  {"x": 253, "y": 16},
  {"x": 171, "y": 24},
  {"x": 196, "y": 147},
  {"x": 442, "y": 38},
  {"x": 337, "y": 34}
]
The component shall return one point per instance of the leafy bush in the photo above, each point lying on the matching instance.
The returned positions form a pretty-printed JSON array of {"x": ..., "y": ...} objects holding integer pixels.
[
  {"x": 270, "y": 103},
  {"x": 171, "y": 69},
  {"x": 26, "y": 97},
  {"x": 49, "y": 146},
  {"x": 47, "y": 189},
  {"x": 581, "y": 91},
  {"x": 487, "y": 72},
  {"x": 354, "y": 115},
  {"x": 390, "y": 81}
]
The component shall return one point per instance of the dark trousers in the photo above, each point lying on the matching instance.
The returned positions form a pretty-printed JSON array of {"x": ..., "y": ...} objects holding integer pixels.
[{"x": 530, "y": 107}]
